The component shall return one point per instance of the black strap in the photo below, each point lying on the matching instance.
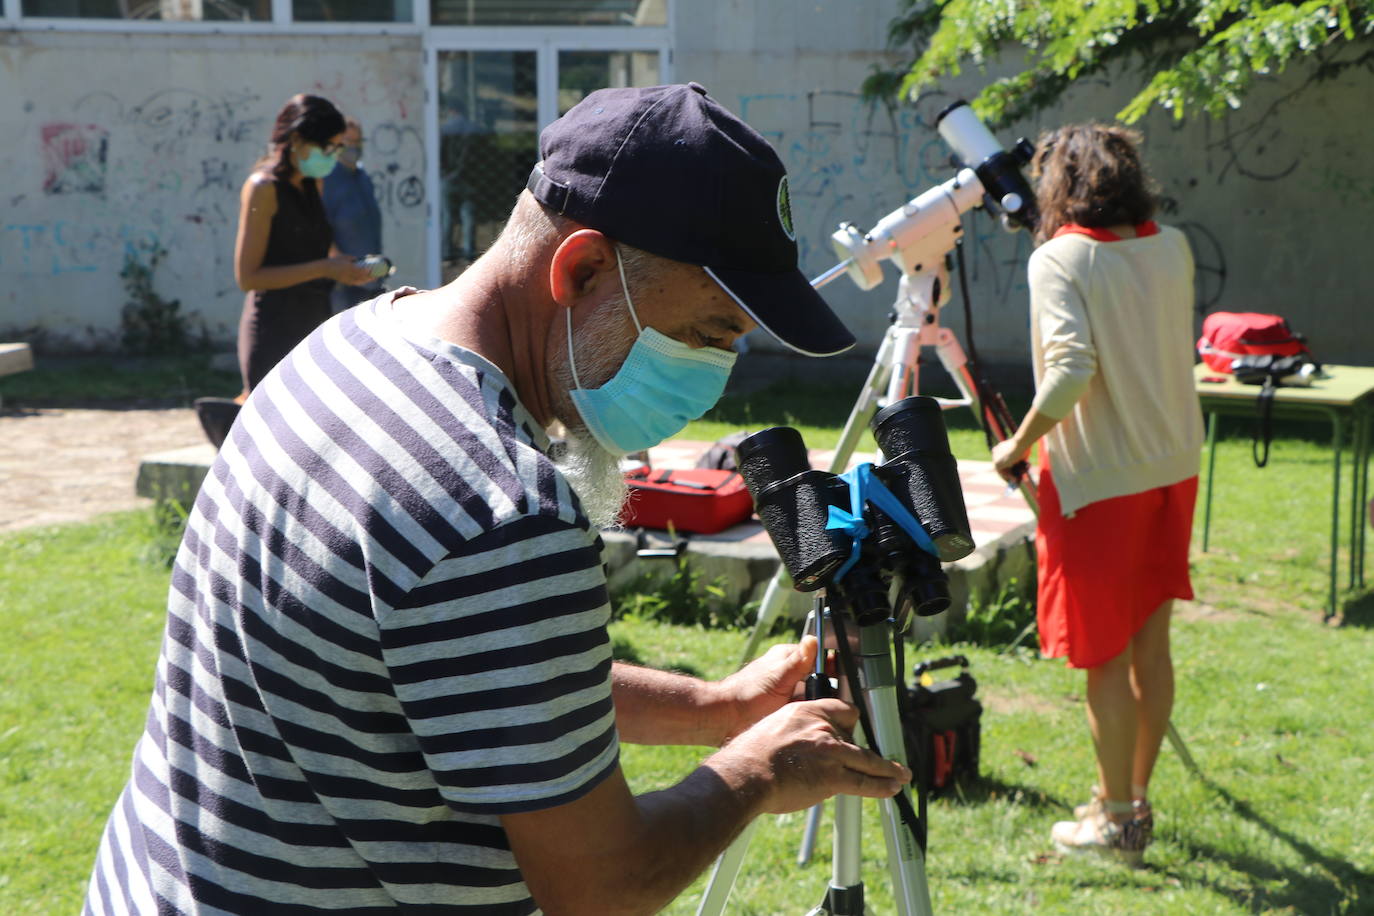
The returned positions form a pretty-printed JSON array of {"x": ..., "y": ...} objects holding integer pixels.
[
  {"x": 914, "y": 823},
  {"x": 547, "y": 191},
  {"x": 997, "y": 421},
  {"x": 1264, "y": 404}
]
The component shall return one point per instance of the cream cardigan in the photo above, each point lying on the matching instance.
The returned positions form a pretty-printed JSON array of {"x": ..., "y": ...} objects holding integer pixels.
[{"x": 1112, "y": 344}]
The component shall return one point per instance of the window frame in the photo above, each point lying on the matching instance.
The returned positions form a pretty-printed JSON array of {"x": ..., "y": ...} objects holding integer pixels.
[
  {"x": 281, "y": 21},
  {"x": 546, "y": 43}
]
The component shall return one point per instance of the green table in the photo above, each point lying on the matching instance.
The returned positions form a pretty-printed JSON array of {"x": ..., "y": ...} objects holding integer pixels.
[{"x": 1346, "y": 399}]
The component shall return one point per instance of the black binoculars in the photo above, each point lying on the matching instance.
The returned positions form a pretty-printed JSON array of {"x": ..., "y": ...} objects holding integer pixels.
[{"x": 794, "y": 503}]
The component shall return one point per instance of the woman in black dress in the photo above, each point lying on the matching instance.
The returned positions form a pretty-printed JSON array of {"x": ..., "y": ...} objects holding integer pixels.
[{"x": 284, "y": 256}]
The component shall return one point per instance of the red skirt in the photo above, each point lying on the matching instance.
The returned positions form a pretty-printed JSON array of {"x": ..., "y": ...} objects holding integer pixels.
[{"x": 1103, "y": 572}]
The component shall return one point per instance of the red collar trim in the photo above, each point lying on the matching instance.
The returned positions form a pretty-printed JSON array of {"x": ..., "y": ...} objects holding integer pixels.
[{"x": 1149, "y": 227}]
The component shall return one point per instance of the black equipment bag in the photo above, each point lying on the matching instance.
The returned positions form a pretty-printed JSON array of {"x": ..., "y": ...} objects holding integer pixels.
[
  {"x": 941, "y": 721},
  {"x": 1269, "y": 371}
]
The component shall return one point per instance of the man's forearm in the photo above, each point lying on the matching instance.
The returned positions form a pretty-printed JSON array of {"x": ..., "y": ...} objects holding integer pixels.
[
  {"x": 693, "y": 823},
  {"x": 661, "y": 707}
]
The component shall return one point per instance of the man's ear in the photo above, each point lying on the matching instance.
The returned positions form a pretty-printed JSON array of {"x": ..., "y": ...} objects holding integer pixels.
[{"x": 581, "y": 263}]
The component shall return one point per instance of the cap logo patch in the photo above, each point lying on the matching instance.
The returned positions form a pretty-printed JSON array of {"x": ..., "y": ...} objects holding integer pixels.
[{"x": 785, "y": 210}]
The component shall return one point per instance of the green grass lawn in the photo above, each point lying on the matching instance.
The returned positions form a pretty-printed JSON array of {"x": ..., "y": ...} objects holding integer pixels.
[{"x": 1274, "y": 705}]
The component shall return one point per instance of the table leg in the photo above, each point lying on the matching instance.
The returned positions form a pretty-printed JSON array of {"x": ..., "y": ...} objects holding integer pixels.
[
  {"x": 1357, "y": 445},
  {"x": 1211, "y": 467},
  {"x": 1362, "y": 475},
  {"x": 1356, "y": 432},
  {"x": 1337, "y": 444}
]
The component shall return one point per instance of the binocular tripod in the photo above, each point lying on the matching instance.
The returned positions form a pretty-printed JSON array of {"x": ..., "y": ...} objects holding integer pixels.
[
  {"x": 870, "y": 544},
  {"x": 868, "y": 680}
]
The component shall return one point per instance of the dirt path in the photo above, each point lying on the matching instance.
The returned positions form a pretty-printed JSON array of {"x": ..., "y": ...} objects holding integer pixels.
[{"x": 66, "y": 464}]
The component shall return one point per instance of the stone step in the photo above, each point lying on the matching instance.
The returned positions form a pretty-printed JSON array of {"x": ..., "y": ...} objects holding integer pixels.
[
  {"x": 740, "y": 561},
  {"x": 15, "y": 357}
]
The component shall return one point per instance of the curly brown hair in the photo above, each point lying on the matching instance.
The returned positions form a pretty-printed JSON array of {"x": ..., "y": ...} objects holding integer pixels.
[{"x": 1090, "y": 174}]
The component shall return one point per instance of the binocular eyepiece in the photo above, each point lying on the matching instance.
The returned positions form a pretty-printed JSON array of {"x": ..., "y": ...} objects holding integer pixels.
[{"x": 794, "y": 501}]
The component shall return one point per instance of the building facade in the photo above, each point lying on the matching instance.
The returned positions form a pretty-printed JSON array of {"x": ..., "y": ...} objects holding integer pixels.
[{"x": 128, "y": 126}]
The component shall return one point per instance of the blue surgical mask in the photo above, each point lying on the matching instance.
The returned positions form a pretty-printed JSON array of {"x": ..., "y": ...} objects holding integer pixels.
[
  {"x": 661, "y": 387},
  {"x": 318, "y": 164}
]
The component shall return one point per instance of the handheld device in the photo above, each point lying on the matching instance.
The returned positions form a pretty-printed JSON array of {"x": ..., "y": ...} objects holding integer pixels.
[{"x": 379, "y": 265}]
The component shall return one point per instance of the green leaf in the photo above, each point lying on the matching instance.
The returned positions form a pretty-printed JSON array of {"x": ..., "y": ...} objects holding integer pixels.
[{"x": 1202, "y": 56}]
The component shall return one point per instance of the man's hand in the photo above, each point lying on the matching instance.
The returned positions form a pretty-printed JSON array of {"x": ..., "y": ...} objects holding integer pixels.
[
  {"x": 765, "y": 684},
  {"x": 609, "y": 853},
  {"x": 633, "y": 854},
  {"x": 802, "y": 754}
]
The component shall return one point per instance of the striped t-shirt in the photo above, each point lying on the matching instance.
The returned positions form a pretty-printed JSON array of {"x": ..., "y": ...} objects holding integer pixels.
[{"x": 386, "y": 627}]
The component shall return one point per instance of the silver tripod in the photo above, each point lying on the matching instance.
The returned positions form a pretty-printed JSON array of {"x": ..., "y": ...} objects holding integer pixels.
[{"x": 906, "y": 864}]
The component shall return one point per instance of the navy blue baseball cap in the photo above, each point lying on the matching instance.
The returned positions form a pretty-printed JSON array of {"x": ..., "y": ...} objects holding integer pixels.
[{"x": 668, "y": 170}]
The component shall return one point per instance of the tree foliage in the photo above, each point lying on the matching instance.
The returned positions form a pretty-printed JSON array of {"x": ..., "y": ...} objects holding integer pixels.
[{"x": 1193, "y": 55}]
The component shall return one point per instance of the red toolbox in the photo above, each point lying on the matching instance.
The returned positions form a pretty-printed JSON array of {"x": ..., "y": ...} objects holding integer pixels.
[{"x": 698, "y": 501}]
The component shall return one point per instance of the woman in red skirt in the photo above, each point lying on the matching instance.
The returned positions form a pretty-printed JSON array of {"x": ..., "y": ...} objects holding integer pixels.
[{"x": 1121, "y": 440}]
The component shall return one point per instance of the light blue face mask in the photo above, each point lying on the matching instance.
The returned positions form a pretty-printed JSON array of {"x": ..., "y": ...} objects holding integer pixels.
[
  {"x": 318, "y": 164},
  {"x": 661, "y": 387}
]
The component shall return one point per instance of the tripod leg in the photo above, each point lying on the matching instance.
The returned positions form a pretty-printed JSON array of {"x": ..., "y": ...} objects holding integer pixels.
[
  {"x": 1176, "y": 741},
  {"x": 808, "y": 843},
  {"x": 774, "y": 598},
  {"x": 726, "y": 870},
  {"x": 904, "y": 858},
  {"x": 867, "y": 403}
]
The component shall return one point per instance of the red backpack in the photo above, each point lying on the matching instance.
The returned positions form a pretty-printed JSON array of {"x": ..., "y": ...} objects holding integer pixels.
[{"x": 1230, "y": 335}]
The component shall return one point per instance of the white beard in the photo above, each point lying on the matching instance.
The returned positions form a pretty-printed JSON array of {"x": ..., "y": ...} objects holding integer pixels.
[
  {"x": 592, "y": 472},
  {"x": 594, "y": 475}
]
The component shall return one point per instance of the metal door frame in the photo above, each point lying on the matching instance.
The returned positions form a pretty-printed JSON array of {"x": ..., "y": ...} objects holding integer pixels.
[{"x": 546, "y": 43}]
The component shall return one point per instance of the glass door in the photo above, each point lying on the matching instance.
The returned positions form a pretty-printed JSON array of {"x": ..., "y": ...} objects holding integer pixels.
[
  {"x": 487, "y": 106},
  {"x": 581, "y": 72},
  {"x": 488, "y": 142}
]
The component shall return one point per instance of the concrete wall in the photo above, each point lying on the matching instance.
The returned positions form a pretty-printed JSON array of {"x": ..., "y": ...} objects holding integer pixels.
[
  {"x": 114, "y": 144},
  {"x": 1275, "y": 198}
]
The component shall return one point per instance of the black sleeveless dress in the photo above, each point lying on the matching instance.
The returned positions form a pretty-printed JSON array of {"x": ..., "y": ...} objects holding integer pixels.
[{"x": 275, "y": 320}]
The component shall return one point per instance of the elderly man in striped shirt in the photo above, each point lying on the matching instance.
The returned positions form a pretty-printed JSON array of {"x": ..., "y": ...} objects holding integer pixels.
[{"x": 386, "y": 682}]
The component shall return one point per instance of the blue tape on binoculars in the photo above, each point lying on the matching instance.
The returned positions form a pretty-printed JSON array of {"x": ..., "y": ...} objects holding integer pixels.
[{"x": 865, "y": 487}]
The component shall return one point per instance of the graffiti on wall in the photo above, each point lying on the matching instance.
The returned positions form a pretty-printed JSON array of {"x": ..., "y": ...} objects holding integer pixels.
[
  {"x": 396, "y": 162},
  {"x": 57, "y": 247},
  {"x": 74, "y": 158},
  {"x": 852, "y": 161},
  {"x": 121, "y": 174}
]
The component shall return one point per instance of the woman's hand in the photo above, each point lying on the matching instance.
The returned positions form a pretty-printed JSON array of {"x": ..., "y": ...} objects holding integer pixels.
[
  {"x": 1006, "y": 455},
  {"x": 341, "y": 268}
]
